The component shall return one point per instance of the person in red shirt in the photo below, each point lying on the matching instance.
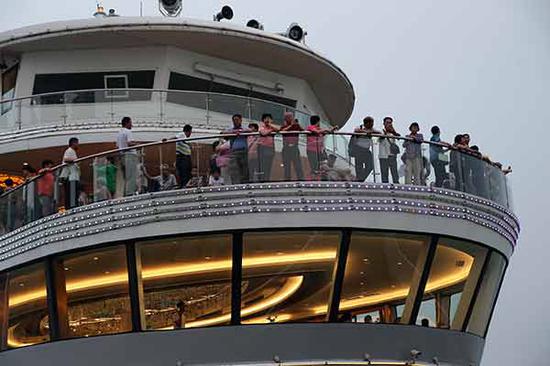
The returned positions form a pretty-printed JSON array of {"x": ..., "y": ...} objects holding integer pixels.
[
  {"x": 45, "y": 188},
  {"x": 291, "y": 150},
  {"x": 316, "y": 144},
  {"x": 266, "y": 147}
]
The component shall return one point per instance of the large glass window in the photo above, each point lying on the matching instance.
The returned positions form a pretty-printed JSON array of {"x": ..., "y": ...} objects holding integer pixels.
[
  {"x": 455, "y": 270},
  {"x": 287, "y": 276},
  {"x": 380, "y": 271},
  {"x": 186, "y": 281},
  {"x": 28, "y": 310},
  {"x": 96, "y": 283},
  {"x": 487, "y": 295}
]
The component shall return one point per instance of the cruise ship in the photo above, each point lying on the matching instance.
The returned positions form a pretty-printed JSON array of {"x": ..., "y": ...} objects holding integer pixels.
[{"x": 126, "y": 238}]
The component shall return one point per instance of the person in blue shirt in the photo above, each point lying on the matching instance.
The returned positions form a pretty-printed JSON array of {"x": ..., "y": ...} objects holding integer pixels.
[
  {"x": 438, "y": 158},
  {"x": 238, "y": 163}
]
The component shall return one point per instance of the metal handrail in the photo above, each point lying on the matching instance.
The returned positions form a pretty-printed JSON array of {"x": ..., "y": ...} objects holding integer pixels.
[
  {"x": 228, "y": 136},
  {"x": 34, "y": 96}
]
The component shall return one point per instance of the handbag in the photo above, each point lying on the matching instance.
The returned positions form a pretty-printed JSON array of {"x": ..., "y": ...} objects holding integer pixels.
[
  {"x": 394, "y": 149},
  {"x": 444, "y": 158}
]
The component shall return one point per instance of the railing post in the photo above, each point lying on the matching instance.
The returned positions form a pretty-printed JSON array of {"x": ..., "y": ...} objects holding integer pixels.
[
  {"x": 18, "y": 114},
  {"x": 207, "y": 109}
]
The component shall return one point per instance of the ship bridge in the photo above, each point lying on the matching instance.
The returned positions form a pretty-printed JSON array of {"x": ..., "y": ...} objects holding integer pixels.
[{"x": 216, "y": 247}]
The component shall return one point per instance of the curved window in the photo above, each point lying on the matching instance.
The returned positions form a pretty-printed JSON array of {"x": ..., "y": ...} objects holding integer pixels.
[
  {"x": 186, "y": 281},
  {"x": 381, "y": 270},
  {"x": 451, "y": 284},
  {"x": 487, "y": 295},
  {"x": 96, "y": 285},
  {"x": 287, "y": 276},
  {"x": 28, "y": 310}
]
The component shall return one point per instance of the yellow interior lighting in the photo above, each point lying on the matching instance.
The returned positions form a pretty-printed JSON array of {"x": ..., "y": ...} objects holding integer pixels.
[{"x": 179, "y": 270}]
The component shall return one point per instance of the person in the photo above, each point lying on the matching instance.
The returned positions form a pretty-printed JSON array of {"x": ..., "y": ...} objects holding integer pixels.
[
  {"x": 413, "y": 155},
  {"x": 238, "y": 163},
  {"x": 166, "y": 181},
  {"x": 196, "y": 180},
  {"x": 387, "y": 153},
  {"x": 253, "y": 163},
  {"x": 291, "y": 148},
  {"x": 70, "y": 174},
  {"x": 179, "y": 323},
  {"x": 438, "y": 158},
  {"x": 215, "y": 178},
  {"x": 129, "y": 158},
  {"x": 456, "y": 164},
  {"x": 266, "y": 147},
  {"x": 29, "y": 194},
  {"x": 223, "y": 160},
  {"x": 479, "y": 180},
  {"x": 110, "y": 175},
  {"x": 364, "y": 161},
  {"x": 45, "y": 188},
  {"x": 184, "y": 163},
  {"x": 315, "y": 145},
  {"x": 425, "y": 322},
  {"x": 330, "y": 172}
]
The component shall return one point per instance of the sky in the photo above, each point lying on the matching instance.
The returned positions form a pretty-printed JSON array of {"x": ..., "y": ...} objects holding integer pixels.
[{"x": 481, "y": 67}]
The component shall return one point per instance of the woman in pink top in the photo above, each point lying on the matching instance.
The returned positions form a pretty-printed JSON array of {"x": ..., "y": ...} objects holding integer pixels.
[
  {"x": 316, "y": 144},
  {"x": 266, "y": 147}
]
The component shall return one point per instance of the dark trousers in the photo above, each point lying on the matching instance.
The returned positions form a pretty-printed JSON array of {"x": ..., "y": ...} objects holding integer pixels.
[
  {"x": 238, "y": 166},
  {"x": 314, "y": 159},
  {"x": 364, "y": 164},
  {"x": 291, "y": 156},
  {"x": 389, "y": 165},
  {"x": 72, "y": 191},
  {"x": 440, "y": 172},
  {"x": 184, "y": 165},
  {"x": 265, "y": 159}
]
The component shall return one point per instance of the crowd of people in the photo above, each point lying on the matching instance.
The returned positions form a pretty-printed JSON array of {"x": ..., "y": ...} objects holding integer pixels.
[{"x": 247, "y": 154}]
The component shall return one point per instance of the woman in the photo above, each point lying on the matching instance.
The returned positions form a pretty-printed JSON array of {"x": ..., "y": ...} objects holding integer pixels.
[
  {"x": 315, "y": 145},
  {"x": 266, "y": 147},
  {"x": 413, "y": 156}
]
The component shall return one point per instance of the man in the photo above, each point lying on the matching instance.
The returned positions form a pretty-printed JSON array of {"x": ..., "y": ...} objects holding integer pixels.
[
  {"x": 45, "y": 188},
  {"x": 291, "y": 150},
  {"x": 184, "y": 163},
  {"x": 30, "y": 198},
  {"x": 71, "y": 174},
  {"x": 387, "y": 153},
  {"x": 238, "y": 163},
  {"x": 364, "y": 161},
  {"x": 129, "y": 158},
  {"x": 166, "y": 181}
]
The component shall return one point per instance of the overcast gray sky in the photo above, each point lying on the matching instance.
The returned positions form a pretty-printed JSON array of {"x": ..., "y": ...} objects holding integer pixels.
[{"x": 474, "y": 66}]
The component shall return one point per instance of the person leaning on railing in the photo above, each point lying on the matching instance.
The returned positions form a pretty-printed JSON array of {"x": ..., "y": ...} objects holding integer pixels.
[
  {"x": 266, "y": 147},
  {"x": 315, "y": 145},
  {"x": 70, "y": 174},
  {"x": 291, "y": 149},
  {"x": 413, "y": 155},
  {"x": 388, "y": 151},
  {"x": 238, "y": 163},
  {"x": 129, "y": 157},
  {"x": 364, "y": 160},
  {"x": 184, "y": 163}
]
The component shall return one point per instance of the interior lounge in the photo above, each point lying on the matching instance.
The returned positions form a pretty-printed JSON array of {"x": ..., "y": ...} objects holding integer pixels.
[{"x": 257, "y": 277}]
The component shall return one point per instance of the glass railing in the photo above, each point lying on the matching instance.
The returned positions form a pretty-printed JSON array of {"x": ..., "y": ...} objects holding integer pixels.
[
  {"x": 108, "y": 106},
  {"x": 286, "y": 156}
]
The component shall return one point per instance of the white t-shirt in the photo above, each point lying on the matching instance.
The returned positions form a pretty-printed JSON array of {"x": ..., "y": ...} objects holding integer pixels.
[
  {"x": 215, "y": 182},
  {"x": 72, "y": 171},
  {"x": 123, "y": 140}
]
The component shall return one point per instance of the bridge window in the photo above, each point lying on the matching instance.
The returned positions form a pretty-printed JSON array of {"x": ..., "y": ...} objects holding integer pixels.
[
  {"x": 28, "y": 311},
  {"x": 287, "y": 276},
  {"x": 186, "y": 281}
]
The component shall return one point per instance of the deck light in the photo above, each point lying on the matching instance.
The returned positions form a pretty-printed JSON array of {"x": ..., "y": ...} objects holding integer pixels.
[
  {"x": 295, "y": 32},
  {"x": 225, "y": 13},
  {"x": 253, "y": 23},
  {"x": 170, "y": 8}
]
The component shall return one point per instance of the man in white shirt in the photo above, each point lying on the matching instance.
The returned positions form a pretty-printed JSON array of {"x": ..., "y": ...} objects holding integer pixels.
[
  {"x": 71, "y": 174},
  {"x": 129, "y": 158}
]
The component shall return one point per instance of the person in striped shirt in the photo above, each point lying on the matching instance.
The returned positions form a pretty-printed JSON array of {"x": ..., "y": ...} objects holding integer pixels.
[{"x": 184, "y": 163}]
